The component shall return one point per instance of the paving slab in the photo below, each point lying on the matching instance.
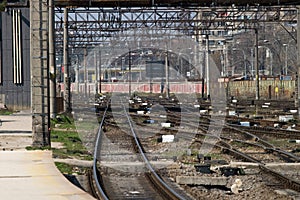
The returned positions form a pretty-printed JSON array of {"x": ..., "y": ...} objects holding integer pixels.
[
  {"x": 17, "y": 123},
  {"x": 30, "y": 175}
]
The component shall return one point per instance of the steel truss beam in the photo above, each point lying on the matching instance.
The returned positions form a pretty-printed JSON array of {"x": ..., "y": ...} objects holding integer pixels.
[
  {"x": 159, "y": 3},
  {"x": 89, "y": 26}
]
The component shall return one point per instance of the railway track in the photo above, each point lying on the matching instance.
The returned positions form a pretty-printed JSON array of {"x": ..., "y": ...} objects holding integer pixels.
[
  {"x": 227, "y": 148},
  {"x": 113, "y": 184},
  {"x": 258, "y": 142},
  {"x": 237, "y": 134},
  {"x": 272, "y": 132},
  {"x": 232, "y": 138},
  {"x": 285, "y": 181}
]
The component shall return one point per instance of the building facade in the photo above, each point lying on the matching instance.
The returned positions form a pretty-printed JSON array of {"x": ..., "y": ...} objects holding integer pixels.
[{"x": 15, "y": 85}]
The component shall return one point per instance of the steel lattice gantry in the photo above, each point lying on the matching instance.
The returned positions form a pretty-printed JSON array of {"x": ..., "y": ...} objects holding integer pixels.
[
  {"x": 97, "y": 25},
  {"x": 93, "y": 22},
  {"x": 169, "y": 3}
]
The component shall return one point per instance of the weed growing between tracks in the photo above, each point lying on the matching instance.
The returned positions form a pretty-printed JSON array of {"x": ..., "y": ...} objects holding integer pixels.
[{"x": 71, "y": 147}]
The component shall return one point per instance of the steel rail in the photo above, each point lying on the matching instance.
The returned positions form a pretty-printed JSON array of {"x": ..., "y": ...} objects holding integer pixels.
[
  {"x": 288, "y": 181},
  {"x": 265, "y": 144},
  {"x": 149, "y": 166},
  {"x": 96, "y": 153}
]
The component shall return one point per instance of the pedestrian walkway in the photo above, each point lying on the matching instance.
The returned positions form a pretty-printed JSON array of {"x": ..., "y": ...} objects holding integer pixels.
[
  {"x": 18, "y": 123},
  {"x": 30, "y": 175},
  {"x": 15, "y": 131}
]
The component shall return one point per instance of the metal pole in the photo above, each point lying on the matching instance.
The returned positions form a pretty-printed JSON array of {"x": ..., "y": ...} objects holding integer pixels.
[
  {"x": 67, "y": 91},
  {"x": 256, "y": 66},
  {"x": 85, "y": 72},
  {"x": 286, "y": 58},
  {"x": 178, "y": 62},
  {"x": 96, "y": 72},
  {"x": 226, "y": 61},
  {"x": 77, "y": 74},
  {"x": 223, "y": 62},
  {"x": 203, "y": 77},
  {"x": 140, "y": 72},
  {"x": 245, "y": 63},
  {"x": 207, "y": 68},
  {"x": 52, "y": 65},
  {"x": 129, "y": 75},
  {"x": 195, "y": 61},
  {"x": 271, "y": 64},
  {"x": 252, "y": 62},
  {"x": 298, "y": 62},
  {"x": 167, "y": 75},
  {"x": 100, "y": 89}
]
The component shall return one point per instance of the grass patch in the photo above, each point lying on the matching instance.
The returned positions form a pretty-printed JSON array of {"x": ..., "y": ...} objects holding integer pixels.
[
  {"x": 31, "y": 148},
  {"x": 5, "y": 112},
  {"x": 70, "y": 169},
  {"x": 73, "y": 147},
  {"x": 66, "y": 134},
  {"x": 64, "y": 122},
  {"x": 64, "y": 168}
]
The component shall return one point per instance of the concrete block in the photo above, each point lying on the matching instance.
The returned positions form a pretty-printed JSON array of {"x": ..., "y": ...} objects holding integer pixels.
[
  {"x": 200, "y": 180},
  {"x": 167, "y": 138},
  {"x": 140, "y": 112},
  {"x": 166, "y": 125}
]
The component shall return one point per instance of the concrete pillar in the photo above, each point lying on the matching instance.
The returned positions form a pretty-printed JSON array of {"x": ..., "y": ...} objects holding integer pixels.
[{"x": 39, "y": 68}]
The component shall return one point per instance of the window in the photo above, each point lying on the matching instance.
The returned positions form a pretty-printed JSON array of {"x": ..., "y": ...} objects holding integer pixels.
[{"x": 17, "y": 46}]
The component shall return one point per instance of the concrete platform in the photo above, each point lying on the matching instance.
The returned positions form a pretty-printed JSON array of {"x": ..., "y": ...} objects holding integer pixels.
[{"x": 28, "y": 175}]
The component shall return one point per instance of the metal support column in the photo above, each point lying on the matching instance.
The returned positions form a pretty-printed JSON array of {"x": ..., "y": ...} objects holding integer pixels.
[
  {"x": 85, "y": 72},
  {"x": 129, "y": 75},
  {"x": 67, "y": 83},
  {"x": 297, "y": 83},
  {"x": 100, "y": 70},
  {"x": 256, "y": 66},
  {"x": 96, "y": 71},
  {"x": 52, "y": 65},
  {"x": 167, "y": 75},
  {"x": 207, "y": 67}
]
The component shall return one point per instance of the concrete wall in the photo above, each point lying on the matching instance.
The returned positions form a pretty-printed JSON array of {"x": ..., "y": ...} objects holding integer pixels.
[
  {"x": 187, "y": 87},
  {"x": 247, "y": 89},
  {"x": 240, "y": 89},
  {"x": 16, "y": 96}
]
